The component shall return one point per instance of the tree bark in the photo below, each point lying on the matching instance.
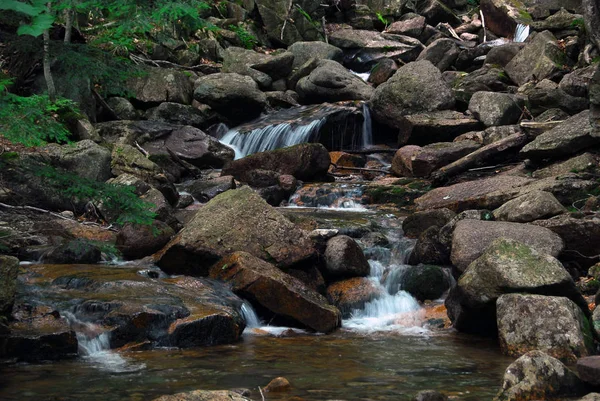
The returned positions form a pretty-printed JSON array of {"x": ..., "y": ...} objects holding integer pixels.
[
  {"x": 69, "y": 16},
  {"x": 46, "y": 63},
  {"x": 591, "y": 15}
]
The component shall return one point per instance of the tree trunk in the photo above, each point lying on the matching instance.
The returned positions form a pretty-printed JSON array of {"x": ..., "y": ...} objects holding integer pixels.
[
  {"x": 591, "y": 14},
  {"x": 69, "y": 16},
  {"x": 46, "y": 61}
]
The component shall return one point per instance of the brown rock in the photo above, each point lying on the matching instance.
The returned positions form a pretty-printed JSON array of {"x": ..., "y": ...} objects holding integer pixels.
[
  {"x": 589, "y": 370},
  {"x": 352, "y": 293},
  {"x": 136, "y": 241},
  {"x": 277, "y": 385},
  {"x": 203, "y": 395}
]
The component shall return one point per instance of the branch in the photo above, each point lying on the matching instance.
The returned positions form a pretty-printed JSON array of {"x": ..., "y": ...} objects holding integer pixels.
[{"x": 372, "y": 170}]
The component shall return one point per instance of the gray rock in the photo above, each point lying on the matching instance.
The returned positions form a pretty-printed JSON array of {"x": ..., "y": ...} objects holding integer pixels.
[
  {"x": 429, "y": 395},
  {"x": 436, "y": 126},
  {"x": 257, "y": 65},
  {"x": 546, "y": 95},
  {"x": 591, "y": 397},
  {"x": 421, "y": 162},
  {"x": 494, "y": 109},
  {"x": 205, "y": 190},
  {"x": 429, "y": 249},
  {"x": 161, "y": 85},
  {"x": 383, "y": 71},
  {"x": 74, "y": 252},
  {"x": 435, "y": 12},
  {"x": 304, "y": 51},
  {"x": 471, "y": 238},
  {"x": 123, "y": 108},
  {"x": 577, "y": 82},
  {"x": 9, "y": 269},
  {"x": 201, "y": 395},
  {"x": 344, "y": 259},
  {"x": 417, "y": 222},
  {"x": 441, "y": 52},
  {"x": 411, "y": 27},
  {"x": 425, "y": 282},
  {"x": 589, "y": 370},
  {"x": 554, "y": 325},
  {"x": 532, "y": 206},
  {"x": 85, "y": 158},
  {"x": 502, "y": 55},
  {"x": 488, "y": 78},
  {"x": 135, "y": 241},
  {"x": 175, "y": 113}
]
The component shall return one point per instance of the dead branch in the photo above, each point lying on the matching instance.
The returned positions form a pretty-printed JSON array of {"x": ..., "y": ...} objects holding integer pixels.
[{"x": 371, "y": 170}]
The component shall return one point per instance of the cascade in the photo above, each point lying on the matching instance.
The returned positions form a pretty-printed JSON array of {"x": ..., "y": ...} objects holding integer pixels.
[
  {"x": 250, "y": 316},
  {"x": 333, "y": 196},
  {"x": 367, "y": 129}
]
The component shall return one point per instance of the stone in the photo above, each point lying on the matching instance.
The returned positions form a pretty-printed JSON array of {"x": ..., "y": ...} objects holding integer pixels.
[
  {"x": 279, "y": 99},
  {"x": 344, "y": 259},
  {"x": 248, "y": 62},
  {"x": 275, "y": 13},
  {"x": 471, "y": 238},
  {"x": 591, "y": 397},
  {"x": 236, "y": 220},
  {"x": 494, "y": 109},
  {"x": 425, "y": 282},
  {"x": 331, "y": 82},
  {"x": 540, "y": 58},
  {"x": 304, "y": 51},
  {"x": 488, "y": 78},
  {"x": 411, "y": 27},
  {"x": 416, "y": 223},
  {"x": 437, "y": 126},
  {"x": 135, "y": 241},
  {"x": 306, "y": 162},
  {"x": 577, "y": 82},
  {"x": 352, "y": 294},
  {"x": 9, "y": 269},
  {"x": 74, "y": 252},
  {"x": 85, "y": 158},
  {"x": 589, "y": 369},
  {"x": 554, "y": 325},
  {"x": 537, "y": 376},
  {"x": 204, "y": 191},
  {"x": 277, "y": 385},
  {"x": 570, "y": 137},
  {"x": 235, "y": 96},
  {"x": 383, "y": 71},
  {"x": 506, "y": 266},
  {"x": 532, "y": 206},
  {"x": 582, "y": 163},
  {"x": 160, "y": 85},
  {"x": 180, "y": 114},
  {"x": 429, "y": 249},
  {"x": 435, "y": 12},
  {"x": 546, "y": 95},
  {"x": 441, "y": 52},
  {"x": 429, "y": 395},
  {"x": 123, "y": 108},
  {"x": 204, "y": 395},
  {"x": 429, "y": 158},
  {"x": 502, "y": 55},
  {"x": 278, "y": 292}
]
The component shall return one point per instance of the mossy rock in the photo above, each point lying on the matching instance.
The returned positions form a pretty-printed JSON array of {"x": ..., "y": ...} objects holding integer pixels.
[{"x": 425, "y": 282}]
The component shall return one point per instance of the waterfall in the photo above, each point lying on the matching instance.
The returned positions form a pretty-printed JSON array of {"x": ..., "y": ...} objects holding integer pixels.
[
  {"x": 250, "y": 316},
  {"x": 367, "y": 130}
]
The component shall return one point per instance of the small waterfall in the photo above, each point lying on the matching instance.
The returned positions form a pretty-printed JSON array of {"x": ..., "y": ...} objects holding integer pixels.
[
  {"x": 367, "y": 129},
  {"x": 333, "y": 196},
  {"x": 521, "y": 33},
  {"x": 252, "y": 320}
]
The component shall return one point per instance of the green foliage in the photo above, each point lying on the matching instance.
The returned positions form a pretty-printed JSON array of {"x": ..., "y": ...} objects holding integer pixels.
[
  {"x": 578, "y": 23},
  {"x": 120, "y": 200},
  {"x": 35, "y": 120},
  {"x": 248, "y": 40},
  {"x": 305, "y": 14},
  {"x": 382, "y": 19},
  {"x": 36, "y": 10},
  {"x": 473, "y": 3}
]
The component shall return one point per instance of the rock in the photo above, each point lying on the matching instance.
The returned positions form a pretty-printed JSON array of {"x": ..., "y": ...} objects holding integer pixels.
[
  {"x": 425, "y": 282},
  {"x": 537, "y": 375},
  {"x": 160, "y": 85},
  {"x": 591, "y": 397},
  {"x": 274, "y": 14},
  {"x": 488, "y": 78},
  {"x": 435, "y": 12},
  {"x": 383, "y": 71},
  {"x": 277, "y": 385},
  {"x": 411, "y": 27},
  {"x": 429, "y": 249},
  {"x": 402, "y": 161},
  {"x": 204, "y": 191},
  {"x": 577, "y": 82},
  {"x": 304, "y": 51},
  {"x": 472, "y": 237},
  {"x": 429, "y": 158},
  {"x": 506, "y": 266},
  {"x": 494, "y": 109},
  {"x": 546, "y": 95},
  {"x": 588, "y": 369},
  {"x": 277, "y": 99},
  {"x": 570, "y": 137},
  {"x": 581, "y": 163},
  {"x": 236, "y": 220},
  {"x": 502, "y": 55},
  {"x": 263, "y": 68},
  {"x": 344, "y": 259},
  {"x": 429, "y": 395},
  {"x": 351, "y": 294},
  {"x": 280, "y": 293},
  {"x": 306, "y": 162},
  {"x": 532, "y": 206},
  {"x": 331, "y": 82},
  {"x": 74, "y": 252},
  {"x": 135, "y": 241},
  {"x": 175, "y": 113},
  {"x": 204, "y": 395},
  {"x": 437, "y": 126},
  {"x": 416, "y": 223},
  {"x": 235, "y": 96},
  {"x": 9, "y": 269},
  {"x": 85, "y": 158},
  {"x": 122, "y": 108},
  {"x": 441, "y": 52},
  {"x": 540, "y": 58},
  {"x": 554, "y": 325}
]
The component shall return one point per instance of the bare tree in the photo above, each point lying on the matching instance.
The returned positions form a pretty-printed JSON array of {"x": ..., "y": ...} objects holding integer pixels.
[{"x": 591, "y": 13}]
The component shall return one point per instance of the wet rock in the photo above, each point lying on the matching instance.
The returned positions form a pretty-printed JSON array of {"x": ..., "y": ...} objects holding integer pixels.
[
  {"x": 160, "y": 85},
  {"x": 537, "y": 375},
  {"x": 9, "y": 269},
  {"x": 236, "y": 220},
  {"x": 415, "y": 87},
  {"x": 204, "y": 395},
  {"x": 441, "y": 52},
  {"x": 554, "y": 325},
  {"x": 506, "y": 266},
  {"x": 532, "y": 206},
  {"x": 540, "y": 58},
  {"x": 311, "y": 276},
  {"x": 235, "y": 96},
  {"x": 135, "y": 241},
  {"x": 571, "y": 136},
  {"x": 353, "y": 293},
  {"x": 280, "y": 293},
  {"x": 343, "y": 159},
  {"x": 304, "y": 51},
  {"x": 85, "y": 158},
  {"x": 175, "y": 113},
  {"x": 277, "y": 385},
  {"x": 429, "y": 158},
  {"x": 344, "y": 258},
  {"x": 414, "y": 224},
  {"x": 429, "y": 395},
  {"x": 589, "y": 369},
  {"x": 74, "y": 252},
  {"x": 425, "y": 282},
  {"x": 429, "y": 249},
  {"x": 471, "y": 237},
  {"x": 204, "y": 191},
  {"x": 331, "y": 82},
  {"x": 306, "y": 162},
  {"x": 494, "y": 109}
]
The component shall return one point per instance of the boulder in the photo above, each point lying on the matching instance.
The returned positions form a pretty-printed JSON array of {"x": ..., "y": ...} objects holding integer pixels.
[
  {"x": 204, "y": 191},
  {"x": 429, "y": 249},
  {"x": 306, "y": 162},
  {"x": 344, "y": 259},
  {"x": 203, "y": 395},
  {"x": 506, "y": 266},
  {"x": 122, "y": 108},
  {"x": 589, "y": 369},
  {"x": 591, "y": 397},
  {"x": 577, "y": 82},
  {"x": 9, "y": 269},
  {"x": 275, "y": 14},
  {"x": 85, "y": 158},
  {"x": 437, "y": 126},
  {"x": 74, "y": 252},
  {"x": 554, "y": 325},
  {"x": 277, "y": 385},
  {"x": 304, "y": 51},
  {"x": 429, "y": 158},
  {"x": 331, "y": 82},
  {"x": 581, "y": 163},
  {"x": 540, "y": 58},
  {"x": 416, "y": 223},
  {"x": 489, "y": 78},
  {"x": 441, "y": 52},
  {"x": 160, "y": 85},
  {"x": 435, "y": 11},
  {"x": 236, "y": 220},
  {"x": 180, "y": 114},
  {"x": 425, "y": 282},
  {"x": 502, "y": 55},
  {"x": 263, "y": 68},
  {"x": 382, "y": 71},
  {"x": 429, "y": 395},
  {"x": 278, "y": 292},
  {"x": 569, "y": 137},
  {"x": 532, "y": 206},
  {"x": 536, "y": 376},
  {"x": 235, "y": 96},
  {"x": 494, "y": 109},
  {"x": 135, "y": 241},
  {"x": 546, "y": 95},
  {"x": 410, "y": 27},
  {"x": 471, "y": 238},
  {"x": 353, "y": 293}
]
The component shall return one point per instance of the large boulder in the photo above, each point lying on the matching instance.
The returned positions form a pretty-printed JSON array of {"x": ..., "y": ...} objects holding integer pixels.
[
  {"x": 263, "y": 68},
  {"x": 306, "y": 162},
  {"x": 181, "y": 114},
  {"x": 569, "y": 137},
  {"x": 135, "y": 241},
  {"x": 331, "y": 82},
  {"x": 441, "y": 52},
  {"x": 416, "y": 223},
  {"x": 471, "y": 238},
  {"x": 236, "y": 220},
  {"x": 489, "y": 78},
  {"x": 344, "y": 259},
  {"x": 529, "y": 207},
  {"x": 353, "y": 293},
  {"x": 429, "y": 158},
  {"x": 304, "y": 51},
  {"x": 506, "y": 266},
  {"x": 554, "y": 325},
  {"x": 285, "y": 24},
  {"x": 278, "y": 292},
  {"x": 158, "y": 85},
  {"x": 494, "y": 109},
  {"x": 436, "y": 126},
  {"x": 235, "y": 96},
  {"x": 538, "y": 376},
  {"x": 425, "y": 282},
  {"x": 415, "y": 87},
  {"x": 85, "y": 158},
  {"x": 77, "y": 251}
]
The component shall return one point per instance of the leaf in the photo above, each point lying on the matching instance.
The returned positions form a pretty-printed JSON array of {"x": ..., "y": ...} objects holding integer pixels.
[
  {"x": 20, "y": 7},
  {"x": 38, "y": 25}
]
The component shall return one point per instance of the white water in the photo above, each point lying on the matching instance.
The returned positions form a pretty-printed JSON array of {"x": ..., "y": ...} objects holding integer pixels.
[
  {"x": 342, "y": 197},
  {"x": 367, "y": 129},
  {"x": 362, "y": 75},
  {"x": 254, "y": 326},
  {"x": 521, "y": 33},
  {"x": 250, "y": 316}
]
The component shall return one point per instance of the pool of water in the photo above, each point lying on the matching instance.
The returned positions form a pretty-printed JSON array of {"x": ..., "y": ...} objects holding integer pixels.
[{"x": 343, "y": 366}]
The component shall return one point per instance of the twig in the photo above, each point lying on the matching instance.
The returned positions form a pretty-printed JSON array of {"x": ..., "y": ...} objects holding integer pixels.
[
  {"x": 483, "y": 26},
  {"x": 323, "y": 23},
  {"x": 182, "y": 163},
  {"x": 144, "y": 151},
  {"x": 111, "y": 113},
  {"x": 261, "y": 393},
  {"x": 287, "y": 16}
]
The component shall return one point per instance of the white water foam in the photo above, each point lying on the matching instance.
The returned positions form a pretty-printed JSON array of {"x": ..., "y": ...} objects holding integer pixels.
[
  {"x": 362, "y": 75},
  {"x": 367, "y": 128},
  {"x": 254, "y": 326}
]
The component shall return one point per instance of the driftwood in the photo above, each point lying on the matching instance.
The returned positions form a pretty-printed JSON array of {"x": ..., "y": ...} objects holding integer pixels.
[
  {"x": 478, "y": 157},
  {"x": 538, "y": 128},
  {"x": 107, "y": 109},
  {"x": 370, "y": 170}
]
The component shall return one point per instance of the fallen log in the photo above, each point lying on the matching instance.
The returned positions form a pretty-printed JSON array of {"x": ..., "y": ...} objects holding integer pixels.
[{"x": 371, "y": 170}]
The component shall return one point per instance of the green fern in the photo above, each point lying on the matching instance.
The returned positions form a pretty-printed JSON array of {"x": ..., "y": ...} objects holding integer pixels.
[{"x": 248, "y": 40}]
